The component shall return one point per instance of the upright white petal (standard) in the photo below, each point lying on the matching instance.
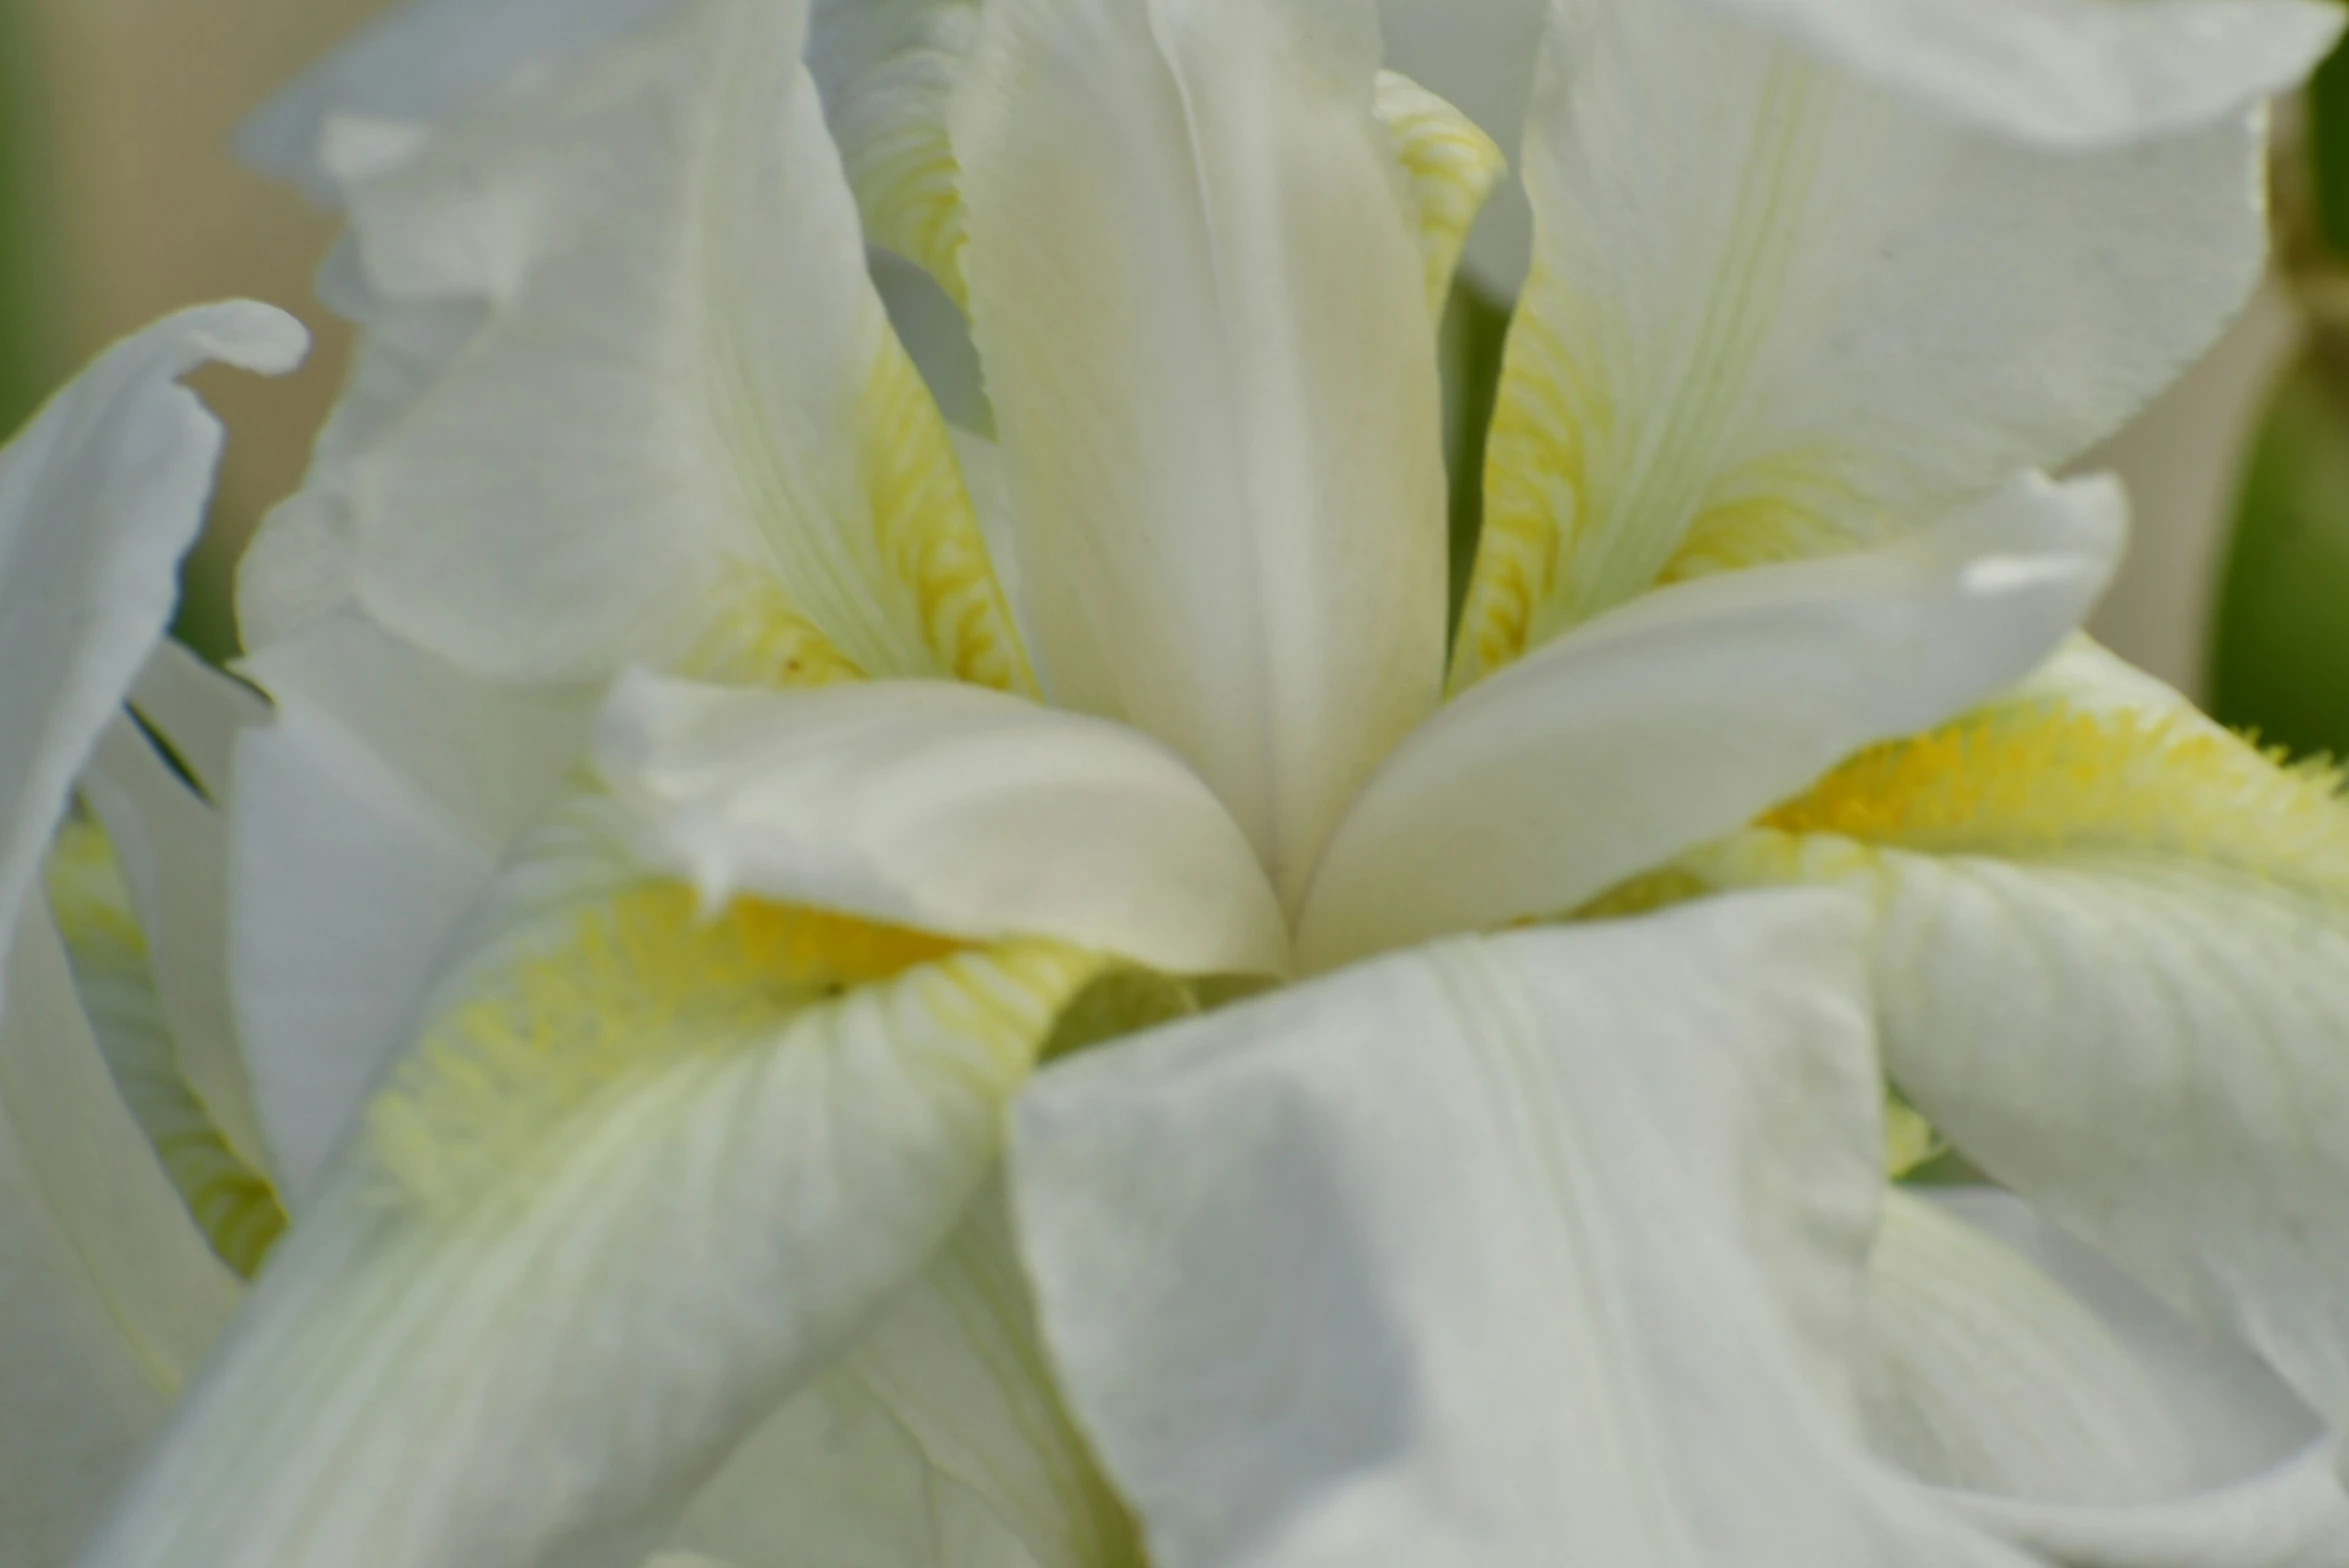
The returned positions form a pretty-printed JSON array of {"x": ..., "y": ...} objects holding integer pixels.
[
  {"x": 1202, "y": 311},
  {"x": 2070, "y": 73},
  {"x": 1536, "y": 1249},
  {"x": 99, "y": 497},
  {"x": 1684, "y": 715},
  {"x": 1798, "y": 325},
  {"x": 644, "y": 1174},
  {"x": 943, "y": 807},
  {"x": 685, "y": 433}
]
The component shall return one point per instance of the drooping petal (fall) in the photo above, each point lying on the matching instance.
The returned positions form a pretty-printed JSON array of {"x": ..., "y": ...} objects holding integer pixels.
[
  {"x": 99, "y": 497},
  {"x": 686, "y": 433},
  {"x": 2112, "y": 967},
  {"x": 644, "y": 1174},
  {"x": 1512, "y": 1250},
  {"x": 1202, "y": 311},
  {"x": 1686, "y": 714},
  {"x": 943, "y": 807},
  {"x": 2069, "y": 73},
  {"x": 1796, "y": 327}
]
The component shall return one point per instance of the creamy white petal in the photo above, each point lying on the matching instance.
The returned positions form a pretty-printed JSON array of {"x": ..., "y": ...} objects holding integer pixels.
[
  {"x": 961, "y": 1364},
  {"x": 1684, "y": 715},
  {"x": 644, "y": 1174},
  {"x": 1777, "y": 311},
  {"x": 2068, "y": 73},
  {"x": 99, "y": 496},
  {"x": 1522, "y": 1250},
  {"x": 108, "y": 1295},
  {"x": 172, "y": 845},
  {"x": 1202, "y": 313},
  {"x": 1480, "y": 58},
  {"x": 368, "y": 818},
  {"x": 686, "y": 433},
  {"x": 198, "y": 711},
  {"x": 944, "y": 807},
  {"x": 2262, "y": 1490},
  {"x": 2111, "y": 962}
]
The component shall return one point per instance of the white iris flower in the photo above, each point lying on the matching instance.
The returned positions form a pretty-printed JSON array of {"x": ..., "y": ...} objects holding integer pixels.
[{"x": 825, "y": 986}]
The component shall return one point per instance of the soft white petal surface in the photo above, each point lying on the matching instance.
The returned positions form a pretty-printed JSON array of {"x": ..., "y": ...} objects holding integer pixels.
[
  {"x": 643, "y": 1176},
  {"x": 2261, "y": 1493},
  {"x": 108, "y": 1295},
  {"x": 1777, "y": 311},
  {"x": 368, "y": 818},
  {"x": 2112, "y": 967},
  {"x": 1523, "y": 1250},
  {"x": 1479, "y": 57},
  {"x": 99, "y": 497},
  {"x": 943, "y": 807},
  {"x": 1202, "y": 312},
  {"x": 2069, "y": 73},
  {"x": 1686, "y": 714},
  {"x": 198, "y": 711},
  {"x": 686, "y": 433}
]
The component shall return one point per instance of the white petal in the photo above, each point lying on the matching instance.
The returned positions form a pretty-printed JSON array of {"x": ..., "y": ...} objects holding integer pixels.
[
  {"x": 643, "y": 1175},
  {"x": 99, "y": 497},
  {"x": 368, "y": 818},
  {"x": 1777, "y": 311},
  {"x": 1480, "y": 58},
  {"x": 172, "y": 845},
  {"x": 960, "y": 1362},
  {"x": 686, "y": 433},
  {"x": 198, "y": 711},
  {"x": 943, "y": 807},
  {"x": 2263, "y": 1493},
  {"x": 2069, "y": 73},
  {"x": 1681, "y": 716},
  {"x": 1202, "y": 313},
  {"x": 2111, "y": 968},
  {"x": 1513, "y": 1251},
  {"x": 108, "y": 1295}
]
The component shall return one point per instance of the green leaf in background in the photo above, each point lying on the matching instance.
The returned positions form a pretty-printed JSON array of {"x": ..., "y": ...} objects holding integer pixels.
[
  {"x": 1476, "y": 329},
  {"x": 30, "y": 339},
  {"x": 2280, "y": 647}
]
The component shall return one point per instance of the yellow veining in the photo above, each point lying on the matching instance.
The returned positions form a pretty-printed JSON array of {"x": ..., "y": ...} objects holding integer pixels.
[
  {"x": 2048, "y": 778},
  {"x": 747, "y": 633},
  {"x": 895, "y": 144},
  {"x": 1450, "y": 166},
  {"x": 928, "y": 531},
  {"x": 638, "y": 980},
  {"x": 1604, "y": 477},
  {"x": 234, "y": 1206}
]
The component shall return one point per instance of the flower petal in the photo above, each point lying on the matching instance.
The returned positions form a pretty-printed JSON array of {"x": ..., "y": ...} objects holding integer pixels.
[
  {"x": 2068, "y": 73},
  {"x": 108, "y": 1294},
  {"x": 1805, "y": 323},
  {"x": 1531, "y": 1249},
  {"x": 99, "y": 497},
  {"x": 643, "y": 1175},
  {"x": 2111, "y": 964},
  {"x": 686, "y": 434},
  {"x": 1480, "y": 58},
  {"x": 367, "y": 820},
  {"x": 2264, "y": 1494},
  {"x": 945, "y": 808},
  {"x": 1202, "y": 312},
  {"x": 1686, "y": 714},
  {"x": 198, "y": 711}
]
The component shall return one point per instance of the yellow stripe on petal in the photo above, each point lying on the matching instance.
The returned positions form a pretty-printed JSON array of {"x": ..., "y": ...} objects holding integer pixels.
[
  {"x": 1450, "y": 167},
  {"x": 232, "y": 1205},
  {"x": 2049, "y": 779}
]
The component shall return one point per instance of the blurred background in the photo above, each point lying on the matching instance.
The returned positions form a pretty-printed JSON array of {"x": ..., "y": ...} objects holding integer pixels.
[{"x": 119, "y": 200}]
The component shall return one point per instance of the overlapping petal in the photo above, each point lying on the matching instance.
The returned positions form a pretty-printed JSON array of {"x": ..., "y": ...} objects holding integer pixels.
[
  {"x": 642, "y": 1176},
  {"x": 1681, "y": 716},
  {"x": 1202, "y": 312},
  {"x": 2110, "y": 954},
  {"x": 685, "y": 433},
  {"x": 946, "y": 808},
  {"x": 1519, "y": 1250},
  {"x": 1800, "y": 323}
]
